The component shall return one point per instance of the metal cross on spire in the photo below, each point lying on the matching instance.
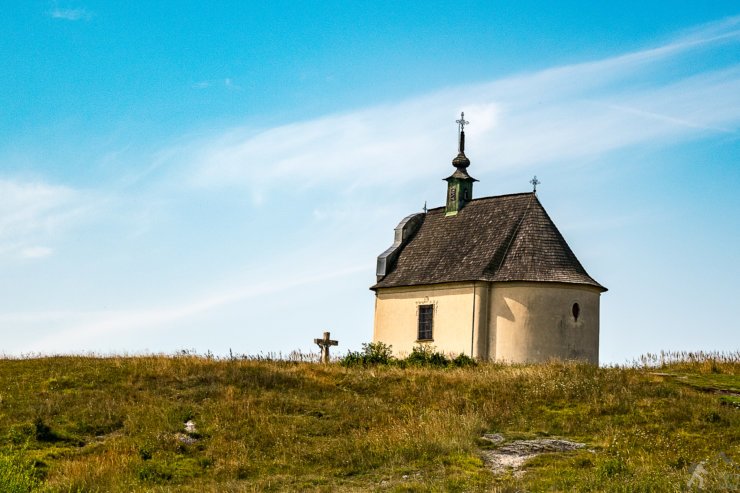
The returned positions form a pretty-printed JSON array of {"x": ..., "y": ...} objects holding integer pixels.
[
  {"x": 461, "y": 128},
  {"x": 461, "y": 122},
  {"x": 534, "y": 181}
]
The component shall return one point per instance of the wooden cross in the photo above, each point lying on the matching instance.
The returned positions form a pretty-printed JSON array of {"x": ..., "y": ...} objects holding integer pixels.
[{"x": 324, "y": 344}]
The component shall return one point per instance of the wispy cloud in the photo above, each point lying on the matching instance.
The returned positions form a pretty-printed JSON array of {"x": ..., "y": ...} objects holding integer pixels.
[
  {"x": 32, "y": 211},
  {"x": 36, "y": 252},
  {"x": 99, "y": 325},
  {"x": 76, "y": 14},
  {"x": 562, "y": 113},
  {"x": 228, "y": 83}
]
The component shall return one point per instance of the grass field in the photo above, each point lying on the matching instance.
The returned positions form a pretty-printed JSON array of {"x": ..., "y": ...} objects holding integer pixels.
[{"x": 117, "y": 424}]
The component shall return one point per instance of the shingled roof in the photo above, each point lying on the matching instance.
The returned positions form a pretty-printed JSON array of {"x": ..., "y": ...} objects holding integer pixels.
[{"x": 503, "y": 238}]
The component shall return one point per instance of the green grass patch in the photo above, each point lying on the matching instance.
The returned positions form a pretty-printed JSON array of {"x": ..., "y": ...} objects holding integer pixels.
[
  {"x": 18, "y": 473},
  {"x": 710, "y": 381}
]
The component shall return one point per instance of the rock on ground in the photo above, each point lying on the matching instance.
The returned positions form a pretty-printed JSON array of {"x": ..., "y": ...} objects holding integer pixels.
[{"x": 512, "y": 455}]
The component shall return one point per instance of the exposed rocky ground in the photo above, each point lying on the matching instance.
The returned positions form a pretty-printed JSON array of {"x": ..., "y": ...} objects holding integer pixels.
[{"x": 512, "y": 455}]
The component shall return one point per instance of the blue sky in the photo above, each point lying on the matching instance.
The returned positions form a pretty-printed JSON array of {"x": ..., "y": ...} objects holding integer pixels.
[{"x": 216, "y": 176}]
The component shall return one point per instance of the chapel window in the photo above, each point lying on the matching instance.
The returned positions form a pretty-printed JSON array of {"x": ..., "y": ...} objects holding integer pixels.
[
  {"x": 426, "y": 314},
  {"x": 576, "y": 311}
]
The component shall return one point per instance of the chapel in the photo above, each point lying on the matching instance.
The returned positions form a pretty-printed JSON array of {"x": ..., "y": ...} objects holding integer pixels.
[{"x": 489, "y": 277}]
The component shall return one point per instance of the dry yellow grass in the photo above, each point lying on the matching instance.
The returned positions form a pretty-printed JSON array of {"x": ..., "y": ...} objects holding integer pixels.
[{"x": 117, "y": 424}]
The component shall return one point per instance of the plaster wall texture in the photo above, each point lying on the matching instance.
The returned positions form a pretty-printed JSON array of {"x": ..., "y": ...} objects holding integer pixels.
[
  {"x": 396, "y": 317},
  {"x": 533, "y": 322},
  {"x": 515, "y": 322}
]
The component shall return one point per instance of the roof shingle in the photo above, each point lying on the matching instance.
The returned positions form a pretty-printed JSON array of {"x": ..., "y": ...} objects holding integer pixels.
[{"x": 503, "y": 238}]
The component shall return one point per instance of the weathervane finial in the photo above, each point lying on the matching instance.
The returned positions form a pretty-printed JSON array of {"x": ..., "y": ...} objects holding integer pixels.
[{"x": 534, "y": 181}]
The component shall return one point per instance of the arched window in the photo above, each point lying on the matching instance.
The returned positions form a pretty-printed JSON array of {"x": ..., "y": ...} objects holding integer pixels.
[{"x": 576, "y": 310}]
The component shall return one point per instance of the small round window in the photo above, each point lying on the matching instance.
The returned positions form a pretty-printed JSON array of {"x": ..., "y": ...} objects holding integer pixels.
[{"x": 576, "y": 311}]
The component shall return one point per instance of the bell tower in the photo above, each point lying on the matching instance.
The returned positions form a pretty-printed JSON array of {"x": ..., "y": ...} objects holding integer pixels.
[{"x": 459, "y": 183}]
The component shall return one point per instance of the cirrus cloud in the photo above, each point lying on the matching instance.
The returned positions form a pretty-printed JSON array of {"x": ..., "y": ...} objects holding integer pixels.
[
  {"x": 31, "y": 212},
  {"x": 76, "y": 14},
  {"x": 554, "y": 115}
]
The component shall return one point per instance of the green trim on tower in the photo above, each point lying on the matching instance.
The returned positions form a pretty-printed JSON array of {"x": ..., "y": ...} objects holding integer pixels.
[
  {"x": 459, "y": 183},
  {"x": 459, "y": 193}
]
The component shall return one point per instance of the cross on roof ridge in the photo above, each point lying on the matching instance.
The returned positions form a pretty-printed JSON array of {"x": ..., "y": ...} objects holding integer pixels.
[
  {"x": 534, "y": 181},
  {"x": 461, "y": 122}
]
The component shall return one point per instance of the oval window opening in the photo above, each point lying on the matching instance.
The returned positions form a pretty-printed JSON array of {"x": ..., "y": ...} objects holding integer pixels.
[{"x": 576, "y": 311}]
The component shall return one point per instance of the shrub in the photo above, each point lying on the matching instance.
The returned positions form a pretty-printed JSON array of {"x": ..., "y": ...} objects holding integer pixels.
[
  {"x": 462, "y": 360},
  {"x": 373, "y": 353},
  {"x": 425, "y": 355},
  {"x": 379, "y": 353}
]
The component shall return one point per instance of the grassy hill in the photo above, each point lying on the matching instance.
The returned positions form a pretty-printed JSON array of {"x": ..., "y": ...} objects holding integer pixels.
[{"x": 88, "y": 424}]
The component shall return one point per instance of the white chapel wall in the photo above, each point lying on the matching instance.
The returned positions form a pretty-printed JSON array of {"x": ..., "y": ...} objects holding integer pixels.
[
  {"x": 396, "y": 316},
  {"x": 533, "y": 322}
]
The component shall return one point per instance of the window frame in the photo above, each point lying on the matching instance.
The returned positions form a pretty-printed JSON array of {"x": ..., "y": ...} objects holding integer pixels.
[{"x": 425, "y": 316}]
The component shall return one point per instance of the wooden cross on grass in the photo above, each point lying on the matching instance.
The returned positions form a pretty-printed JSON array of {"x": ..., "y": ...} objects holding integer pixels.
[{"x": 324, "y": 344}]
